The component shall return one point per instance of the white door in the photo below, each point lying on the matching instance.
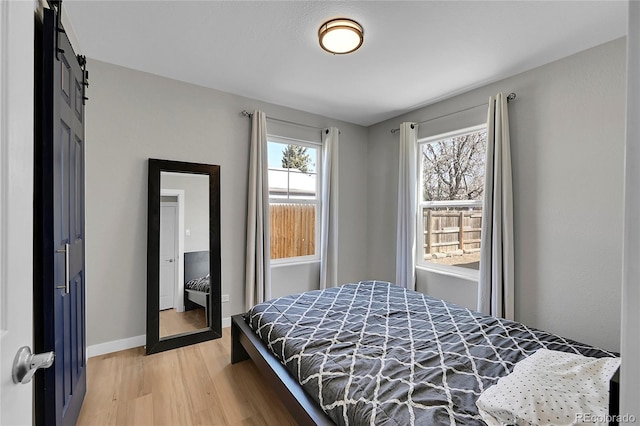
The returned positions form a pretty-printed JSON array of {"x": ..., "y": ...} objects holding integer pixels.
[
  {"x": 16, "y": 203},
  {"x": 168, "y": 254}
]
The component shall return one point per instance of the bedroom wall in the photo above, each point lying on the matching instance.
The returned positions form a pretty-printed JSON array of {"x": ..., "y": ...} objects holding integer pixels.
[
  {"x": 567, "y": 135},
  {"x": 132, "y": 116},
  {"x": 196, "y": 215}
]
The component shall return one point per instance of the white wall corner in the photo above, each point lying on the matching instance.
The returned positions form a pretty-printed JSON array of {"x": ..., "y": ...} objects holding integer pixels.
[{"x": 630, "y": 339}]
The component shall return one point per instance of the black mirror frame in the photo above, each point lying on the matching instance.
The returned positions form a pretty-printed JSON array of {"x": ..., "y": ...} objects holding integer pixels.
[{"x": 154, "y": 342}]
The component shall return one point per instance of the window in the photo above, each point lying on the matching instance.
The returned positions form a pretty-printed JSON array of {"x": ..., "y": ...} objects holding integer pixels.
[
  {"x": 294, "y": 198},
  {"x": 450, "y": 198}
]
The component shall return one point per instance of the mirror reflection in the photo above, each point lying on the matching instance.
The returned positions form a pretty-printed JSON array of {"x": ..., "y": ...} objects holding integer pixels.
[
  {"x": 184, "y": 280},
  {"x": 183, "y": 255}
]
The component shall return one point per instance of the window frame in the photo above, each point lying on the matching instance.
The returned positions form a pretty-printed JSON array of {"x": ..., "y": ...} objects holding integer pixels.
[
  {"x": 318, "y": 201},
  {"x": 421, "y": 263}
]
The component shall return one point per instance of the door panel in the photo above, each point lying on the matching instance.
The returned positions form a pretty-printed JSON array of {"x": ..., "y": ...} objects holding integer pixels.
[
  {"x": 168, "y": 250},
  {"x": 60, "y": 211}
]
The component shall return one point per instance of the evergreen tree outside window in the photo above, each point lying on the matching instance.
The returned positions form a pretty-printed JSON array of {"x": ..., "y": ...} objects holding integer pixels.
[{"x": 296, "y": 157}]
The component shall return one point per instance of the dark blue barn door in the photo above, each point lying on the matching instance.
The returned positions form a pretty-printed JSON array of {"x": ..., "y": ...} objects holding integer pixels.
[{"x": 60, "y": 279}]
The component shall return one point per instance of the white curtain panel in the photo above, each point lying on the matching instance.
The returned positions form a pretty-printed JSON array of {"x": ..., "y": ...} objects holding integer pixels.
[
  {"x": 496, "y": 287},
  {"x": 257, "y": 270},
  {"x": 407, "y": 194},
  {"x": 329, "y": 207}
]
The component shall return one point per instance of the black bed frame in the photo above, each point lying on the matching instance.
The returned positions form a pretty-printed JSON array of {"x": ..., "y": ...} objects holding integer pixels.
[
  {"x": 196, "y": 265},
  {"x": 246, "y": 344}
]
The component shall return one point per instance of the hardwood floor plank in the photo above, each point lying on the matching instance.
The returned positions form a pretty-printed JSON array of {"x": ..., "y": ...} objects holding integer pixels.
[
  {"x": 194, "y": 385},
  {"x": 225, "y": 384},
  {"x": 138, "y": 411},
  {"x": 193, "y": 367}
]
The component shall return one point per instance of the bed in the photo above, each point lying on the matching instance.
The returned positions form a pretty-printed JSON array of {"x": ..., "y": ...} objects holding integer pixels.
[
  {"x": 197, "y": 282},
  {"x": 374, "y": 353}
]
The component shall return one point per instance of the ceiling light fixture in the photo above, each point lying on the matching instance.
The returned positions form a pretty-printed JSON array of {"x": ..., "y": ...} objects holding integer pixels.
[{"x": 341, "y": 36}]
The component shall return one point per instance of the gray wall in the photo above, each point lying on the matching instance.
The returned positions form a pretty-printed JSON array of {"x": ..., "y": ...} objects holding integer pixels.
[
  {"x": 567, "y": 140},
  {"x": 567, "y": 129},
  {"x": 196, "y": 207},
  {"x": 133, "y": 116}
]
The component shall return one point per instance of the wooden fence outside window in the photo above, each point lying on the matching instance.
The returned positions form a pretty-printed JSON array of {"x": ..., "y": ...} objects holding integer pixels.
[
  {"x": 455, "y": 230},
  {"x": 293, "y": 230}
]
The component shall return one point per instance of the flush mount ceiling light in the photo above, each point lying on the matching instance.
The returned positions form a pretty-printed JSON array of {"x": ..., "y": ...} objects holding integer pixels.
[{"x": 340, "y": 36}]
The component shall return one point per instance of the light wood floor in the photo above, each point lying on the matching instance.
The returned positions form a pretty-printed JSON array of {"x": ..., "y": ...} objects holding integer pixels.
[
  {"x": 174, "y": 322},
  {"x": 194, "y": 385}
]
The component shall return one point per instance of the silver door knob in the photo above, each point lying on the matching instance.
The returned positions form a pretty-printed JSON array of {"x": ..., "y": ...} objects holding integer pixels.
[{"x": 25, "y": 364}]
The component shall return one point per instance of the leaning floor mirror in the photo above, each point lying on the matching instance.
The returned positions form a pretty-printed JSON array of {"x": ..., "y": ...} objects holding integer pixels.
[{"x": 183, "y": 255}]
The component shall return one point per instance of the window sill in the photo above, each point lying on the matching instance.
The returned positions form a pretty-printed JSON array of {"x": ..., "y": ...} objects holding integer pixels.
[
  {"x": 452, "y": 271},
  {"x": 290, "y": 262}
]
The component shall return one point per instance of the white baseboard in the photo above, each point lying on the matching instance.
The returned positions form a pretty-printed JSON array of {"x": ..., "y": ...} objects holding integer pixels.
[
  {"x": 226, "y": 322},
  {"x": 116, "y": 345},
  {"x": 129, "y": 343}
]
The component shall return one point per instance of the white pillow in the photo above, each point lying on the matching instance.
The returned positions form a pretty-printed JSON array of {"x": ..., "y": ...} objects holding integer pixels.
[{"x": 551, "y": 388}]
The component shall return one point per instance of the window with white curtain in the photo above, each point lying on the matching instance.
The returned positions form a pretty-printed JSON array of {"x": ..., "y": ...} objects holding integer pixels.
[
  {"x": 294, "y": 199},
  {"x": 451, "y": 191}
]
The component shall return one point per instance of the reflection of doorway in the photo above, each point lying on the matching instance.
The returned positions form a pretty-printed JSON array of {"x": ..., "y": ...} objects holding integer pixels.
[
  {"x": 169, "y": 253},
  {"x": 175, "y": 196}
]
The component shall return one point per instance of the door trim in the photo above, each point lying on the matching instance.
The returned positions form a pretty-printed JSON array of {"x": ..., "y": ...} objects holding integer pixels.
[{"x": 17, "y": 31}]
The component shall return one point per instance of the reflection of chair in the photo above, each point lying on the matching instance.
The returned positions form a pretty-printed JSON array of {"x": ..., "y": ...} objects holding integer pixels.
[{"x": 196, "y": 265}]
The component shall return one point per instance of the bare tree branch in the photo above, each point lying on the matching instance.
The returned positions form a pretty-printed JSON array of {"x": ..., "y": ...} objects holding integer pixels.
[{"x": 453, "y": 169}]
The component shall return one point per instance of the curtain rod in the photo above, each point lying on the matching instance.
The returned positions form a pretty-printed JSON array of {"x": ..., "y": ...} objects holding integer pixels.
[
  {"x": 510, "y": 97},
  {"x": 249, "y": 114}
]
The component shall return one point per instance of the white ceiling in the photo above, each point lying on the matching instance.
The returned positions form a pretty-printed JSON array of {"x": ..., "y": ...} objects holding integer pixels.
[{"x": 414, "y": 53}]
